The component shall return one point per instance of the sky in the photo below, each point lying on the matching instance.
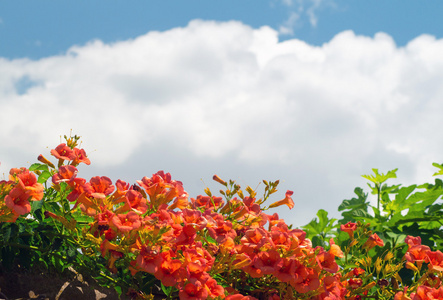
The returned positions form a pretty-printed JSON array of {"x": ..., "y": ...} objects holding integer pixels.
[{"x": 314, "y": 93}]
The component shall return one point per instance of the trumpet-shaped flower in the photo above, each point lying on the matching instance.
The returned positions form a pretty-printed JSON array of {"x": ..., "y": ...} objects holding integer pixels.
[
  {"x": 17, "y": 200},
  {"x": 63, "y": 152},
  {"x": 99, "y": 187},
  {"x": 80, "y": 157},
  {"x": 373, "y": 240},
  {"x": 310, "y": 282},
  {"x": 170, "y": 271},
  {"x": 65, "y": 174},
  {"x": 435, "y": 260},
  {"x": 286, "y": 201},
  {"x": 126, "y": 222},
  {"x": 349, "y": 228},
  {"x": 27, "y": 181}
]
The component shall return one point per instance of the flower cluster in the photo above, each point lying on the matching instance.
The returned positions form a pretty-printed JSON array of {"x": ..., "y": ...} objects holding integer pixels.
[
  {"x": 16, "y": 193},
  {"x": 430, "y": 283},
  {"x": 211, "y": 247}
]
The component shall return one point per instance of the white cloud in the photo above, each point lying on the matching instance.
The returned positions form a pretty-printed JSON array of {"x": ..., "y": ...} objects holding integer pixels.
[
  {"x": 225, "y": 98},
  {"x": 299, "y": 9}
]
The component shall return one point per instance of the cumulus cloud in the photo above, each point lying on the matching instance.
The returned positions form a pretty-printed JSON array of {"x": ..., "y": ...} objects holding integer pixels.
[{"x": 229, "y": 99}]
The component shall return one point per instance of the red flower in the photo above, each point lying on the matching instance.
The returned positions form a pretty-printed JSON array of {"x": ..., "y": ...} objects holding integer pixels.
[
  {"x": 355, "y": 282},
  {"x": 349, "y": 228},
  {"x": 358, "y": 271}
]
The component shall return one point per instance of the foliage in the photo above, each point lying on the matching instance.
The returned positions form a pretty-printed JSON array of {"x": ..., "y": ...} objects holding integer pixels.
[
  {"x": 408, "y": 219},
  {"x": 150, "y": 238}
]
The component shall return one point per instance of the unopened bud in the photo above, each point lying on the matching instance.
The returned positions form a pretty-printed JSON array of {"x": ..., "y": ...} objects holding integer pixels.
[
  {"x": 219, "y": 180},
  {"x": 43, "y": 159}
]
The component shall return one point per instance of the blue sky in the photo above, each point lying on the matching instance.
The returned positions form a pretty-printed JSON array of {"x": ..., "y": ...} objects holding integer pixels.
[
  {"x": 314, "y": 93},
  {"x": 37, "y": 29}
]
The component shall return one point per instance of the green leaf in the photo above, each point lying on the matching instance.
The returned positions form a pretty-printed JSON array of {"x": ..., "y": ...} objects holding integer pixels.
[
  {"x": 380, "y": 178},
  {"x": 10, "y": 230},
  {"x": 44, "y": 176},
  {"x": 71, "y": 252},
  {"x": 36, "y": 205},
  {"x": 118, "y": 289},
  {"x": 166, "y": 289},
  {"x": 440, "y": 171},
  {"x": 354, "y": 203},
  {"x": 39, "y": 167}
]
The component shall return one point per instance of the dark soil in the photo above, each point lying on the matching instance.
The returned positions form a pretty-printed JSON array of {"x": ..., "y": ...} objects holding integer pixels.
[{"x": 24, "y": 284}]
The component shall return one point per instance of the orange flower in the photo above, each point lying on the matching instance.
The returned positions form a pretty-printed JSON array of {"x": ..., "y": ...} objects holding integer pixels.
[
  {"x": 65, "y": 174},
  {"x": 133, "y": 201},
  {"x": 326, "y": 261},
  {"x": 80, "y": 157},
  {"x": 77, "y": 188},
  {"x": 215, "y": 290},
  {"x": 402, "y": 295},
  {"x": 161, "y": 188},
  {"x": 335, "y": 249},
  {"x": 207, "y": 202},
  {"x": 435, "y": 260},
  {"x": 428, "y": 293},
  {"x": 126, "y": 222},
  {"x": 413, "y": 241},
  {"x": 63, "y": 152},
  {"x": 416, "y": 254},
  {"x": 17, "y": 200},
  {"x": 194, "y": 290},
  {"x": 239, "y": 297},
  {"x": 170, "y": 271},
  {"x": 267, "y": 261},
  {"x": 286, "y": 270},
  {"x": 308, "y": 283},
  {"x": 27, "y": 181},
  {"x": 99, "y": 187},
  {"x": 287, "y": 200},
  {"x": 373, "y": 240}
]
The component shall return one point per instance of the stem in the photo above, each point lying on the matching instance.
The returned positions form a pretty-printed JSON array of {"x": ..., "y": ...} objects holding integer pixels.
[{"x": 378, "y": 195}]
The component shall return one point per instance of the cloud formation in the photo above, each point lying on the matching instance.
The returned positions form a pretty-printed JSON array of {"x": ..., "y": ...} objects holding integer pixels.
[
  {"x": 229, "y": 99},
  {"x": 299, "y": 9}
]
